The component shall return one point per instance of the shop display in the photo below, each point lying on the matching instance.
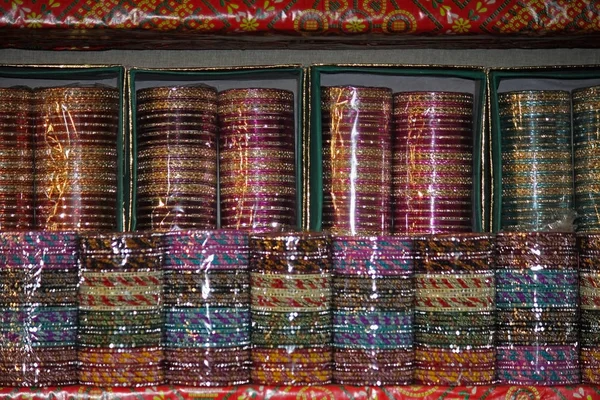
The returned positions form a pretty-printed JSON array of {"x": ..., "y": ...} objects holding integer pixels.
[
  {"x": 432, "y": 173},
  {"x": 177, "y": 158},
  {"x": 537, "y": 299},
  {"x": 291, "y": 308},
  {"x": 120, "y": 310},
  {"x": 454, "y": 310},
  {"x": 357, "y": 152},
  {"x": 207, "y": 308},
  {"x": 373, "y": 297},
  {"x": 537, "y": 169},
  {"x": 38, "y": 309},
  {"x": 588, "y": 246},
  {"x": 16, "y": 159},
  {"x": 76, "y": 182},
  {"x": 586, "y": 129},
  {"x": 396, "y": 290},
  {"x": 257, "y": 173}
]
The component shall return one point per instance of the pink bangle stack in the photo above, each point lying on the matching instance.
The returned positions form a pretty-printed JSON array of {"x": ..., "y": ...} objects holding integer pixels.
[
  {"x": 432, "y": 162},
  {"x": 257, "y": 159},
  {"x": 356, "y": 160}
]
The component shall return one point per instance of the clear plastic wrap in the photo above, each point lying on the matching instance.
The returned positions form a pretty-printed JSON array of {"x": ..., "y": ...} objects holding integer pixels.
[
  {"x": 76, "y": 181},
  {"x": 373, "y": 297},
  {"x": 207, "y": 308},
  {"x": 588, "y": 246},
  {"x": 197, "y": 24},
  {"x": 177, "y": 158},
  {"x": 537, "y": 168},
  {"x": 454, "y": 309},
  {"x": 257, "y": 154},
  {"x": 120, "y": 310},
  {"x": 291, "y": 308},
  {"x": 38, "y": 309},
  {"x": 432, "y": 172},
  {"x": 586, "y": 140},
  {"x": 357, "y": 152},
  {"x": 16, "y": 159},
  {"x": 537, "y": 299}
]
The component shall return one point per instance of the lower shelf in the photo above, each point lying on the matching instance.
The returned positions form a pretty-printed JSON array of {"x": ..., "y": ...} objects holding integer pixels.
[{"x": 328, "y": 392}]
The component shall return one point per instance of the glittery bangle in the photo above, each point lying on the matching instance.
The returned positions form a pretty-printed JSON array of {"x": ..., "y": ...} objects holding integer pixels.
[
  {"x": 440, "y": 378},
  {"x": 475, "y": 356},
  {"x": 230, "y": 339},
  {"x": 108, "y": 357},
  {"x": 287, "y": 378}
]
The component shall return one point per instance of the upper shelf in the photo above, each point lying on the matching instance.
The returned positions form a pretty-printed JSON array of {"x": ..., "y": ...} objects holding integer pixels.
[{"x": 193, "y": 24}]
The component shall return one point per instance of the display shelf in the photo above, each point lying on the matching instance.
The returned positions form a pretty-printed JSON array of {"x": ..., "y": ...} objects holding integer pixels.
[{"x": 327, "y": 392}]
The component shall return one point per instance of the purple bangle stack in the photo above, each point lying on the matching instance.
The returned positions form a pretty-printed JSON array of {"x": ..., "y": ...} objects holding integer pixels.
[
  {"x": 373, "y": 310},
  {"x": 357, "y": 153},
  {"x": 38, "y": 309},
  {"x": 16, "y": 159},
  {"x": 454, "y": 309},
  {"x": 537, "y": 308},
  {"x": 589, "y": 290},
  {"x": 120, "y": 310},
  {"x": 75, "y": 173},
  {"x": 177, "y": 158},
  {"x": 432, "y": 164},
  {"x": 257, "y": 159},
  {"x": 291, "y": 308},
  {"x": 207, "y": 308}
]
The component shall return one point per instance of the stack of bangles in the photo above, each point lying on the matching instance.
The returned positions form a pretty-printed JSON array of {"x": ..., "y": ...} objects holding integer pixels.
[
  {"x": 76, "y": 156},
  {"x": 586, "y": 125},
  {"x": 291, "y": 308},
  {"x": 120, "y": 310},
  {"x": 16, "y": 159},
  {"x": 177, "y": 158},
  {"x": 537, "y": 170},
  {"x": 357, "y": 150},
  {"x": 537, "y": 308},
  {"x": 432, "y": 162},
  {"x": 454, "y": 309},
  {"x": 207, "y": 308},
  {"x": 589, "y": 291},
  {"x": 372, "y": 310},
  {"x": 38, "y": 309},
  {"x": 257, "y": 174}
]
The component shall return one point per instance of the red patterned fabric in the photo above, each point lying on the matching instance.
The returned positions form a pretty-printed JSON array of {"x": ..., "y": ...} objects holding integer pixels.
[
  {"x": 330, "y": 392},
  {"x": 314, "y": 17}
]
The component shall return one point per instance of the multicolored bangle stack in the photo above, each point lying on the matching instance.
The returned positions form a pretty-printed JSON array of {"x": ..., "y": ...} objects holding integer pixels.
[
  {"x": 207, "y": 308},
  {"x": 16, "y": 159},
  {"x": 537, "y": 315},
  {"x": 257, "y": 159},
  {"x": 373, "y": 297},
  {"x": 38, "y": 309},
  {"x": 120, "y": 310},
  {"x": 76, "y": 158},
  {"x": 537, "y": 171},
  {"x": 586, "y": 125},
  {"x": 454, "y": 309},
  {"x": 357, "y": 153},
  {"x": 589, "y": 291},
  {"x": 291, "y": 308},
  {"x": 177, "y": 158},
  {"x": 432, "y": 164}
]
